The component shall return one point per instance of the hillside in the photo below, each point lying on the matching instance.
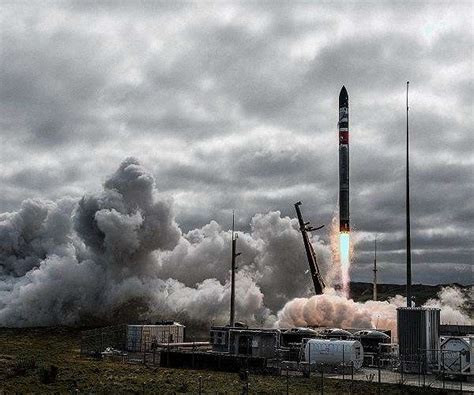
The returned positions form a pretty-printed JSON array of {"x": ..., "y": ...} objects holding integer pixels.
[{"x": 362, "y": 292}]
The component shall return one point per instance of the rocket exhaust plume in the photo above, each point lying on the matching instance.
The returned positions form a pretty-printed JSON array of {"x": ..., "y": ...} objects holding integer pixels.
[
  {"x": 334, "y": 310},
  {"x": 344, "y": 227},
  {"x": 344, "y": 256}
]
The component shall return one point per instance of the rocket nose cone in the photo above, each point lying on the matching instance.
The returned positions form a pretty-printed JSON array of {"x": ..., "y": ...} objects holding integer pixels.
[{"x": 343, "y": 97}]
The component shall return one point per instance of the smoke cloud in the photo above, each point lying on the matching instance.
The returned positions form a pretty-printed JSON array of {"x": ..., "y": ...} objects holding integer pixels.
[
  {"x": 118, "y": 255},
  {"x": 335, "y": 310},
  {"x": 69, "y": 261}
]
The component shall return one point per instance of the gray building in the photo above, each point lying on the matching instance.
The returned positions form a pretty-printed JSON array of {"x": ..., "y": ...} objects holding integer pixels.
[{"x": 245, "y": 341}]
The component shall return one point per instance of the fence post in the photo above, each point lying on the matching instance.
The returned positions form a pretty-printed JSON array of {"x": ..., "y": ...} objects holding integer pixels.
[
  {"x": 401, "y": 369},
  {"x": 419, "y": 368},
  {"x": 193, "y": 352},
  {"x": 309, "y": 360},
  {"x": 200, "y": 385},
  {"x": 287, "y": 378},
  {"x": 352, "y": 376},
  {"x": 379, "y": 373},
  {"x": 322, "y": 379},
  {"x": 442, "y": 367},
  {"x": 460, "y": 371},
  {"x": 343, "y": 363},
  {"x": 425, "y": 367}
]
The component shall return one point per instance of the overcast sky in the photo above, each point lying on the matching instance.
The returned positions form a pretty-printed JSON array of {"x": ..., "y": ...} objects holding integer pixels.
[{"x": 233, "y": 105}]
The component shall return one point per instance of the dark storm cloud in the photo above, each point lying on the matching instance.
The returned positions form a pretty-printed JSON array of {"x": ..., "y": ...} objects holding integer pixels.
[
  {"x": 350, "y": 57},
  {"x": 234, "y": 106}
]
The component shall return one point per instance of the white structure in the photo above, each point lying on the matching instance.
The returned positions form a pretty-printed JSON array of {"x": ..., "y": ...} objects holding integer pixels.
[
  {"x": 334, "y": 352},
  {"x": 142, "y": 337},
  {"x": 457, "y": 355},
  {"x": 134, "y": 338}
]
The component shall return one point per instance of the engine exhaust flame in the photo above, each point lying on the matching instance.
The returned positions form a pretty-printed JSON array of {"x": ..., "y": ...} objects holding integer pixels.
[{"x": 344, "y": 257}]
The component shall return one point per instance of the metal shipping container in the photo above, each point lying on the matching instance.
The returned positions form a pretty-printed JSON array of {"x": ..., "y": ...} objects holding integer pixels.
[
  {"x": 132, "y": 338},
  {"x": 141, "y": 337},
  {"x": 219, "y": 338},
  {"x": 254, "y": 342}
]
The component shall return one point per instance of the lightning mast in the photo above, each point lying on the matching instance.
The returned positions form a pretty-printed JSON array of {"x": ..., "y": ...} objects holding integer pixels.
[
  {"x": 232, "y": 275},
  {"x": 375, "y": 268},
  {"x": 409, "y": 298}
]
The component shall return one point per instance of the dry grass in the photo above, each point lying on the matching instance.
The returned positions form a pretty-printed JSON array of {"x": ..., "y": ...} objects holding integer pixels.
[{"x": 24, "y": 353}]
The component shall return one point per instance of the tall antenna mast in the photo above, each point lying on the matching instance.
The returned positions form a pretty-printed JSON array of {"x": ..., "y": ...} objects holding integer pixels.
[
  {"x": 375, "y": 268},
  {"x": 232, "y": 278},
  {"x": 409, "y": 297}
]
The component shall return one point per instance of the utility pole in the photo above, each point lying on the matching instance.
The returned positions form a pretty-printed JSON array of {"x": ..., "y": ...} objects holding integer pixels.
[
  {"x": 409, "y": 298},
  {"x": 232, "y": 276},
  {"x": 375, "y": 268}
]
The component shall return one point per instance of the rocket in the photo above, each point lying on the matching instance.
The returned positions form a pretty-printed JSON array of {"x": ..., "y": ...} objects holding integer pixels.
[{"x": 343, "y": 161}]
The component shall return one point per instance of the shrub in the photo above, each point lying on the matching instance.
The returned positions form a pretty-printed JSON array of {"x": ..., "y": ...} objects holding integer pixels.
[{"x": 48, "y": 375}]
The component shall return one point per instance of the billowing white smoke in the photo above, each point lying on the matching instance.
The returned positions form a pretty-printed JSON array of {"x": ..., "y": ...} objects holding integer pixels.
[
  {"x": 452, "y": 302},
  {"x": 74, "y": 261},
  {"x": 335, "y": 310},
  {"x": 119, "y": 255},
  {"x": 272, "y": 254}
]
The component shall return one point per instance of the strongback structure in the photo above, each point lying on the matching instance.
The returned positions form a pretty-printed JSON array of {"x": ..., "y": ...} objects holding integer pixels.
[{"x": 305, "y": 227}]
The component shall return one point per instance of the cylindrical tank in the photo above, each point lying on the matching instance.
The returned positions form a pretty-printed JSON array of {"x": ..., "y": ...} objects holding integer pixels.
[
  {"x": 456, "y": 354},
  {"x": 334, "y": 352},
  {"x": 335, "y": 333},
  {"x": 418, "y": 337},
  {"x": 371, "y": 339}
]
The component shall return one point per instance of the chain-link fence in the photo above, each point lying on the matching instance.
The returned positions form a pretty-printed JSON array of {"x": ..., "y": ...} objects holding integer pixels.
[
  {"x": 440, "y": 369},
  {"x": 437, "y": 369}
]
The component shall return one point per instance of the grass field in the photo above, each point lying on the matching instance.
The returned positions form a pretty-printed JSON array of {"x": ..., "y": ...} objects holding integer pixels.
[{"x": 26, "y": 355}]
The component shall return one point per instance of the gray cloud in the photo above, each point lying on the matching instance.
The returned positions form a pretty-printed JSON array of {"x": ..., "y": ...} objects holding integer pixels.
[{"x": 234, "y": 105}]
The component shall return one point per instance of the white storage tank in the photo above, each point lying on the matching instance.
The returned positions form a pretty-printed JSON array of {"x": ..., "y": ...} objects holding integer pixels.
[
  {"x": 456, "y": 354},
  {"x": 334, "y": 352}
]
